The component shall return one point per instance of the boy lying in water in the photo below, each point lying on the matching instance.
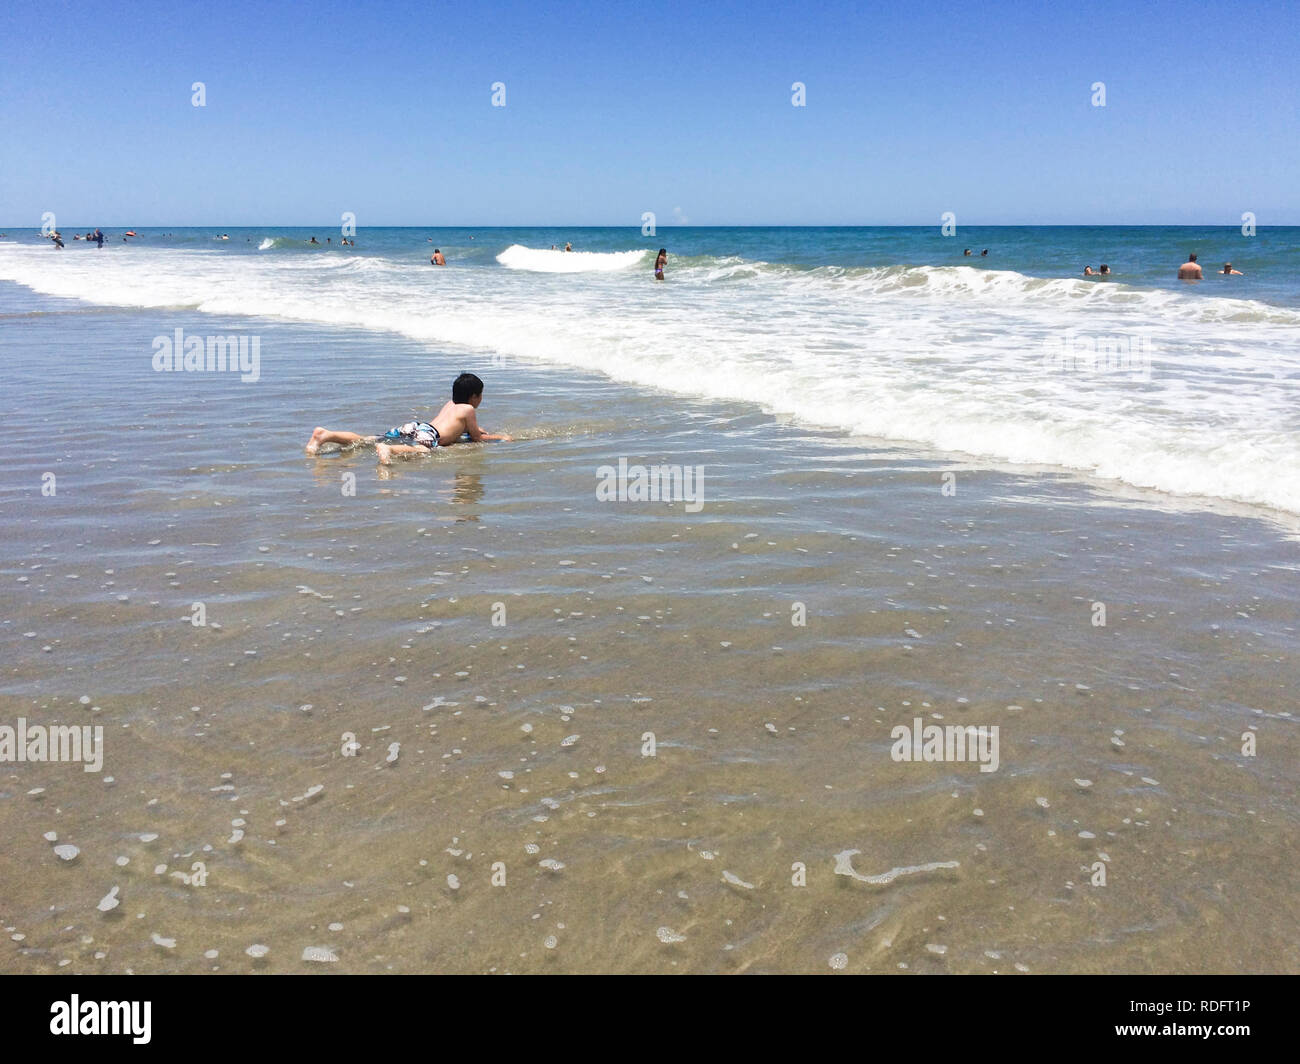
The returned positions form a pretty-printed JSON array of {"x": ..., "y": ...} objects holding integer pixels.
[{"x": 455, "y": 419}]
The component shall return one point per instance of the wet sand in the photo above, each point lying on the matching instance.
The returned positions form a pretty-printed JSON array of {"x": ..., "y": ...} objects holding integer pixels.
[{"x": 523, "y": 744}]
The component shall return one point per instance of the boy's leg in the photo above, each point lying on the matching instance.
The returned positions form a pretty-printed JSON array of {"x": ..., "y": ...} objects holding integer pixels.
[
  {"x": 386, "y": 451},
  {"x": 344, "y": 439}
]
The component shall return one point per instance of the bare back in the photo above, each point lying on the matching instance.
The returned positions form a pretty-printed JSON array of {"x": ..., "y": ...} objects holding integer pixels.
[{"x": 455, "y": 419}]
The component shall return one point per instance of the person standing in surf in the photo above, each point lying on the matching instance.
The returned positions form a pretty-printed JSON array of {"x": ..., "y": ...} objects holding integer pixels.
[
  {"x": 1190, "y": 270},
  {"x": 660, "y": 263}
]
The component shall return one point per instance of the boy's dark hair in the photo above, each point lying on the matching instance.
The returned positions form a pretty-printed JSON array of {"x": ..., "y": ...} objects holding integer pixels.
[{"x": 465, "y": 387}]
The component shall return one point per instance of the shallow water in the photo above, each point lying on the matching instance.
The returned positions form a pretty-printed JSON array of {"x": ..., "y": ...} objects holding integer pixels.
[{"x": 368, "y": 618}]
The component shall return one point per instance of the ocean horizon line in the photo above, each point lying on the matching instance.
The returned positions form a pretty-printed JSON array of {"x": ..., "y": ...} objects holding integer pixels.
[{"x": 659, "y": 227}]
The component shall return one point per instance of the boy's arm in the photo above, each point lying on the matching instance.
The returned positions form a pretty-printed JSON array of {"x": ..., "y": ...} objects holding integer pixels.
[{"x": 476, "y": 433}]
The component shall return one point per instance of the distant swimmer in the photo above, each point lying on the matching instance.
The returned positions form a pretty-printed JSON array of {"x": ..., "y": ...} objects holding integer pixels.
[
  {"x": 132, "y": 232},
  {"x": 438, "y": 259},
  {"x": 457, "y": 418},
  {"x": 58, "y": 240},
  {"x": 1227, "y": 268},
  {"x": 660, "y": 263},
  {"x": 967, "y": 252},
  {"x": 1190, "y": 270},
  {"x": 1103, "y": 269},
  {"x": 568, "y": 247},
  {"x": 313, "y": 240},
  {"x": 99, "y": 237},
  {"x": 984, "y": 252},
  {"x": 1088, "y": 271}
]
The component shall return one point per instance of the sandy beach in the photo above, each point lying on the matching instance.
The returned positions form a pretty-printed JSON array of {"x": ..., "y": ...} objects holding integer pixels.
[{"x": 462, "y": 715}]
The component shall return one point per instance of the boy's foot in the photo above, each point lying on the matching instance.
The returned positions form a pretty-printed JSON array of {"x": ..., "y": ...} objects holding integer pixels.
[
  {"x": 385, "y": 453},
  {"x": 313, "y": 445}
]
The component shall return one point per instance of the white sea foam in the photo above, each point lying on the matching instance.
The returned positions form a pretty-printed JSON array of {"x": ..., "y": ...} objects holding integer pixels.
[
  {"x": 543, "y": 260},
  {"x": 949, "y": 358},
  {"x": 844, "y": 867}
]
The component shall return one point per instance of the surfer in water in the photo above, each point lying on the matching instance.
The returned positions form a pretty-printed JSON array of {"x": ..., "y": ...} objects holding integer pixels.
[
  {"x": 660, "y": 263},
  {"x": 568, "y": 247},
  {"x": 457, "y": 418}
]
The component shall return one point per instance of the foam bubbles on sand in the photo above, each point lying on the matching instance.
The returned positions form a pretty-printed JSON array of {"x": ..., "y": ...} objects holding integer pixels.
[
  {"x": 67, "y": 852},
  {"x": 319, "y": 954},
  {"x": 109, "y": 901},
  {"x": 839, "y": 961},
  {"x": 736, "y": 881},
  {"x": 257, "y": 951},
  {"x": 844, "y": 867},
  {"x": 550, "y": 864},
  {"x": 166, "y": 943},
  {"x": 668, "y": 936}
]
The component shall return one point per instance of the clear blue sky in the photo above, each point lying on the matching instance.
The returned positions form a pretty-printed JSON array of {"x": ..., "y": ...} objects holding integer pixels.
[{"x": 613, "y": 108}]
